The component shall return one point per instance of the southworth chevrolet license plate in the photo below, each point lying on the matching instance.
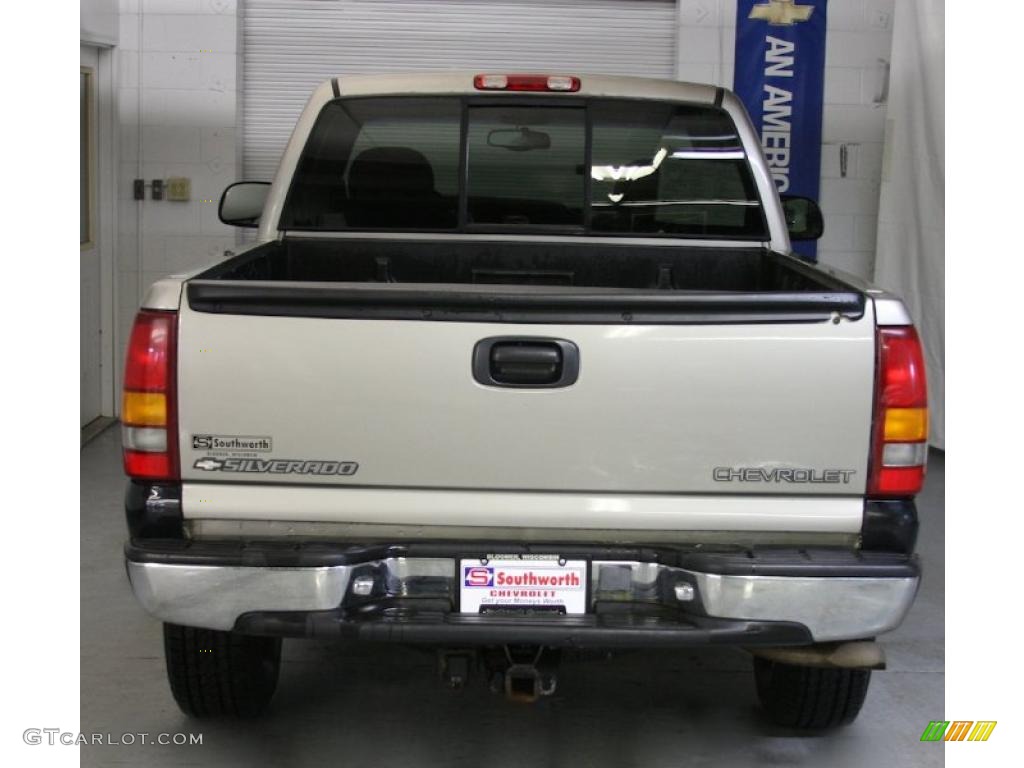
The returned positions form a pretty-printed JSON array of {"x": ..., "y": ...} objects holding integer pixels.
[{"x": 523, "y": 581}]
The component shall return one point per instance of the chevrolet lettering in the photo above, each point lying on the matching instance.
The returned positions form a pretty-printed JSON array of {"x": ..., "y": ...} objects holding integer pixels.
[{"x": 782, "y": 475}]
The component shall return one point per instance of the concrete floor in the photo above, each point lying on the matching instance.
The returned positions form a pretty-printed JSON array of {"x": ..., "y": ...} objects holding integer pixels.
[{"x": 382, "y": 705}]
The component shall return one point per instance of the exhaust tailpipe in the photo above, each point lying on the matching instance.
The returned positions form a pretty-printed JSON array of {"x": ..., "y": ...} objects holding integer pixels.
[{"x": 858, "y": 654}]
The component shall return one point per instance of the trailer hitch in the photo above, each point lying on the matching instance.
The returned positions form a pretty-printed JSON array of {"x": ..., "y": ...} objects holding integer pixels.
[{"x": 524, "y": 673}]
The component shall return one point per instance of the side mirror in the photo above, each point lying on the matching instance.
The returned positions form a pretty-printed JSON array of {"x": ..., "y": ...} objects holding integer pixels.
[
  {"x": 241, "y": 205},
  {"x": 803, "y": 218}
]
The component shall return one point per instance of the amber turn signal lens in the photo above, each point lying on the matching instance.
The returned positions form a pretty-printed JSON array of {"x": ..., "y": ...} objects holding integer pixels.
[
  {"x": 144, "y": 409},
  {"x": 906, "y": 425}
]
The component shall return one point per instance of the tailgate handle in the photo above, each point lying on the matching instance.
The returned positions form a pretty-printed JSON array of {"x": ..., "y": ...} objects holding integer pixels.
[{"x": 527, "y": 362}]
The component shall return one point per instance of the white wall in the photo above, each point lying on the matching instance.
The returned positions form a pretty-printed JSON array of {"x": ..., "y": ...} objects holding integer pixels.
[
  {"x": 98, "y": 21},
  {"x": 859, "y": 36},
  {"x": 911, "y": 223},
  {"x": 178, "y": 114}
]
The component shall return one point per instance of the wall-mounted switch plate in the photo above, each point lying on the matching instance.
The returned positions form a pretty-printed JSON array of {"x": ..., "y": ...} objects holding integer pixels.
[
  {"x": 139, "y": 189},
  {"x": 157, "y": 190},
  {"x": 179, "y": 188}
]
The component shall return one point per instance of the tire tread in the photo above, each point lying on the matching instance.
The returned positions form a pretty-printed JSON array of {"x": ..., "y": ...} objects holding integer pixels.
[
  {"x": 214, "y": 673},
  {"x": 811, "y": 698}
]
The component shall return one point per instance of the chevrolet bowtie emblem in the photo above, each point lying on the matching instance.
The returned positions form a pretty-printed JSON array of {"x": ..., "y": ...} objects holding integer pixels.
[
  {"x": 208, "y": 464},
  {"x": 781, "y": 13}
]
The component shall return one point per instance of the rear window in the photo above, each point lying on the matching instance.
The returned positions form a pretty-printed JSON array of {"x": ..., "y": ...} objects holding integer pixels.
[
  {"x": 525, "y": 166},
  {"x": 611, "y": 167}
]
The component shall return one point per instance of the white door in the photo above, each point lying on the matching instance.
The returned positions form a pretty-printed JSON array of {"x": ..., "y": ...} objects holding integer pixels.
[{"x": 90, "y": 351}]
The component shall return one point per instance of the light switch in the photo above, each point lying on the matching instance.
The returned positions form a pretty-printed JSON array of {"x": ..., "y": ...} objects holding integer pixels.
[{"x": 179, "y": 188}]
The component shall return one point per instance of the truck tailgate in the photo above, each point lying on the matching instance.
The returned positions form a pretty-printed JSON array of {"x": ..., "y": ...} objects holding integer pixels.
[{"x": 669, "y": 409}]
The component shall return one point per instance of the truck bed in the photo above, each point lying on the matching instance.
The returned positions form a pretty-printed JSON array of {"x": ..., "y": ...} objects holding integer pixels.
[{"x": 521, "y": 281}]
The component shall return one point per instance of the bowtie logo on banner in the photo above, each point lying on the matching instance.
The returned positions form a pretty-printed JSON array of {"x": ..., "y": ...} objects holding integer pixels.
[{"x": 781, "y": 13}]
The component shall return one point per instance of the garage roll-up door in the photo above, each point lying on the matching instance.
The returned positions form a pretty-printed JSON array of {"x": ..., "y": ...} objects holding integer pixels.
[{"x": 292, "y": 45}]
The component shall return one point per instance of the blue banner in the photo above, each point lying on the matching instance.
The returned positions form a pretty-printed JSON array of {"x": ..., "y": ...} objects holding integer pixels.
[{"x": 780, "y": 77}]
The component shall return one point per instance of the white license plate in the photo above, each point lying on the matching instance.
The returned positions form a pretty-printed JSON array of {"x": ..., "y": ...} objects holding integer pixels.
[{"x": 528, "y": 581}]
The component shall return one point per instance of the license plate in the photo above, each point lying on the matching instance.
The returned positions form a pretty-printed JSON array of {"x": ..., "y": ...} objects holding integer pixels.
[{"x": 526, "y": 581}]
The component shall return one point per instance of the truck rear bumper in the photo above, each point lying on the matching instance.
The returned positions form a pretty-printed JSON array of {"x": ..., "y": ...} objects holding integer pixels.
[{"x": 638, "y": 597}]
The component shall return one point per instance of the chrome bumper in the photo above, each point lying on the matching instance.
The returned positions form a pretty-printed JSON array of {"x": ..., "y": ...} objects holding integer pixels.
[{"x": 217, "y": 596}]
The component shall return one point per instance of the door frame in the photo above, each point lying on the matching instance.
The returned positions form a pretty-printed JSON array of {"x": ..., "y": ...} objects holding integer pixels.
[{"x": 105, "y": 215}]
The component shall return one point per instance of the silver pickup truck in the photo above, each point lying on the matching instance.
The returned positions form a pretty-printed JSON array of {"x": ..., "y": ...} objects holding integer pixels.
[{"x": 519, "y": 365}]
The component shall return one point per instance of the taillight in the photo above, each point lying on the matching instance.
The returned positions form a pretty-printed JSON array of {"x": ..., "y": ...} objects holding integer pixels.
[
  {"x": 899, "y": 450},
  {"x": 563, "y": 83},
  {"x": 149, "y": 408}
]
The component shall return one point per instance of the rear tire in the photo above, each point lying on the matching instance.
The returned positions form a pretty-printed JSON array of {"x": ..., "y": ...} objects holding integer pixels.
[
  {"x": 810, "y": 697},
  {"x": 215, "y": 673}
]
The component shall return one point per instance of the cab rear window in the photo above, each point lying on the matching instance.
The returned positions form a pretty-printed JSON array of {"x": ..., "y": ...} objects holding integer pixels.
[{"x": 602, "y": 167}]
